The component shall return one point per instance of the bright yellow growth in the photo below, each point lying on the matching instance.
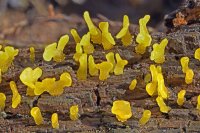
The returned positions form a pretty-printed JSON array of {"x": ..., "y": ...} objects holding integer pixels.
[
  {"x": 16, "y": 99},
  {"x": 55, "y": 50},
  {"x": 37, "y": 116},
  {"x": 163, "y": 107},
  {"x": 6, "y": 57},
  {"x": 82, "y": 71},
  {"x": 198, "y": 102},
  {"x": 189, "y": 76},
  {"x": 143, "y": 38},
  {"x": 133, "y": 84},
  {"x": 110, "y": 57},
  {"x": 197, "y": 54},
  {"x": 147, "y": 78},
  {"x": 54, "y": 121},
  {"x": 181, "y": 97},
  {"x": 75, "y": 35},
  {"x": 158, "y": 53},
  {"x": 107, "y": 40},
  {"x": 125, "y": 34},
  {"x": 184, "y": 63},
  {"x": 162, "y": 90},
  {"x": 105, "y": 68},
  {"x": 2, "y": 101},
  {"x": 145, "y": 117},
  {"x": 93, "y": 71},
  {"x": 32, "y": 54},
  {"x": 88, "y": 48},
  {"x": 122, "y": 110},
  {"x": 74, "y": 115},
  {"x": 0, "y": 76},
  {"x": 119, "y": 67},
  {"x": 79, "y": 52}
]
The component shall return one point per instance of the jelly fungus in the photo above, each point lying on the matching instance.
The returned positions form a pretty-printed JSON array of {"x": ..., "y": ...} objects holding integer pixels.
[
  {"x": 54, "y": 121},
  {"x": 93, "y": 71},
  {"x": 122, "y": 110},
  {"x": 36, "y": 114},
  {"x": 55, "y": 50},
  {"x": 16, "y": 98},
  {"x": 2, "y": 101},
  {"x": 119, "y": 67},
  {"x": 75, "y": 35},
  {"x": 133, "y": 84},
  {"x": 79, "y": 52},
  {"x": 147, "y": 78},
  {"x": 110, "y": 57},
  {"x": 163, "y": 107},
  {"x": 143, "y": 38},
  {"x": 181, "y": 97},
  {"x": 158, "y": 53},
  {"x": 32, "y": 54},
  {"x": 145, "y": 117},
  {"x": 104, "y": 68},
  {"x": 162, "y": 90},
  {"x": 88, "y": 48},
  {"x": 198, "y": 102},
  {"x": 125, "y": 34},
  {"x": 74, "y": 115},
  {"x": 107, "y": 40},
  {"x": 184, "y": 63},
  {"x": 197, "y": 54},
  {"x": 82, "y": 71},
  {"x": 189, "y": 75}
]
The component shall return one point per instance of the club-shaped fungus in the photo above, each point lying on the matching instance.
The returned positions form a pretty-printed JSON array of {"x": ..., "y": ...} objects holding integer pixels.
[
  {"x": 16, "y": 98},
  {"x": 184, "y": 63},
  {"x": 79, "y": 52},
  {"x": 163, "y": 107},
  {"x": 197, "y": 54},
  {"x": 198, "y": 102},
  {"x": 162, "y": 89},
  {"x": 88, "y": 48},
  {"x": 37, "y": 116},
  {"x": 122, "y": 110},
  {"x": 133, "y": 84},
  {"x": 93, "y": 71},
  {"x": 181, "y": 97},
  {"x": 73, "y": 112},
  {"x": 104, "y": 68},
  {"x": 158, "y": 53},
  {"x": 119, "y": 67},
  {"x": 55, "y": 50},
  {"x": 189, "y": 75},
  {"x": 75, "y": 35},
  {"x": 110, "y": 57},
  {"x": 32, "y": 54},
  {"x": 143, "y": 38},
  {"x": 2, "y": 101},
  {"x": 145, "y": 117},
  {"x": 95, "y": 33},
  {"x": 124, "y": 33},
  {"x": 107, "y": 40},
  {"x": 54, "y": 121},
  {"x": 82, "y": 70}
]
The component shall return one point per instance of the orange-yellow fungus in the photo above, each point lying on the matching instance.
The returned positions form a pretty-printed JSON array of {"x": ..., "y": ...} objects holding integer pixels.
[
  {"x": 158, "y": 53},
  {"x": 119, "y": 67},
  {"x": 104, "y": 68},
  {"x": 198, "y": 102},
  {"x": 82, "y": 71},
  {"x": 122, "y": 110},
  {"x": 110, "y": 57},
  {"x": 73, "y": 113},
  {"x": 107, "y": 40},
  {"x": 162, "y": 89},
  {"x": 133, "y": 84},
  {"x": 163, "y": 107},
  {"x": 37, "y": 116},
  {"x": 197, "y": 54},
  {"x": 93, "y": 71},
  {"x": 143, "y": 38},
  {"x": 32, "y": 54},
  {"x": 16, "y": 98},
  {"x": 55, "y": 50},
  {"x": 189, "y": 75},
  {"x": 54, "y": 121},
  {"x": 145, "y": 117},
  {"x": 79, "y": 52},
  {"x": 75, "y": 35},
  {"x": 2, "y": 101},
  {"x": 125, "y": 34},
  {"x": 181, "y": 97},
  {"x": 184, "y": 63},
  {"x": 88, "y": 48}
]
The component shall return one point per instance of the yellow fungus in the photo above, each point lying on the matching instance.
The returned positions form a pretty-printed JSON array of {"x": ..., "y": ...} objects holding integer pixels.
[
  {"x": 122, "y": 110},
  {"x": 133, "y": 84},
  {"x": 82, "y": 71},
  {"x": 36, "y": 114},
  {"x": 162, "y": 90},
  {"x": 119, "y": 67},
  {"x": 75, "y": 35},
  {"x": 0, "y": 47},
  {"x": 32, "y": 54},
  {"x": 88, "y": 48},
  {"x": 2, "y": 101},
  {"x": 105, "y": 68},
  {"x": 143, "y": 38},
  {"x": 79, "y": 52},
  {"x": 16, "y": 99},
  {"x": 151, "y": 88},
  {"x": 145, "y": 117},
  {"x": 189, "y": 76},
  {"x": 74, "y": 115},
  {"x": 54, "y": 121},
  {"x": 184, "y": 63},
  {"x": 158, "y": 53},
  {"x": 93, "y": 71},
  {"x": 163, "y": 107},
  {"x": 198, "y": 102},
  {"x": 125, "y": 34},
  {"x": 110, "y": 57},
  {"x": 0, "y": 76},
  {"x": 181, "y": 97},
  {"x": 197, "y": 54},
  {"x": 147, "y": 78},
  {"x": 66, "y": 79}
]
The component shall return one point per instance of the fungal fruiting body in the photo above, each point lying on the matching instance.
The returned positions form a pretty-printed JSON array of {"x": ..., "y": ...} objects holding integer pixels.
[
  {"x": 32, "y": 54},
  {"x": 0, "y": 76},
  {"x": 124, "y": 33},
  {"x": 181, "y": 97},
  {"x": 2, "y": 101},
  {"x": 79, "y": 52},
  {"x": 163, "y": 107},
  {"x": 197, "y": 54},
  {"x": 145, "y": 117},
  {"x": 16, "y": 98},
  {"x": 74, "y": 115},
  {"x": 198, "y": 102},
  {"x": 143, "y": 38},
  {"x": 189, "y": 76},
  {"x": 110, "y": 57},
  {"x": 158, "y": 53},
  {"x": 104, "y": 68},
  {"x": 93, "y": 71},
  {"x": 88, "y": 48},
  {"x": 37, "y": 116},
  {"x": 184, "y": 63},
  {"x": 133, "y": 84},
  {"x": 122, "y": 110},
  {"x": 82, "y": 70},
  {"x": 55, "y": 50},
  {"x": 75, "y": 35},
  {"x": 54, "y": 121},
  {"x": 162, "y": 90},
  {"x": 119, "y": 67}
]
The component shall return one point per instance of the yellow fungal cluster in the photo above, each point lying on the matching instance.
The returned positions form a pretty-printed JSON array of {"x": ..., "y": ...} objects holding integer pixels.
[
  {"x": 198, "y": 102},
  {"x": 181, "y": 97},
  {"x": 163, "y": 107},
  {"x": 104, "y": 68},
  {"x": 133, "y": 84},
  {"x": 74, "y": 115},
  {"x": 197, "y": 54},
  {"x": 16, "y": 99},
  {"x": 2, "y": 101},
  {"x": 54, "y": 121},
  {"x": 37, "y": 116},
  {"x": 32, "y": 54},
  {"x": 119, "y": 67},
  {"x": 122, "y": 110},
  {"x": 145, "y": 117}
]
